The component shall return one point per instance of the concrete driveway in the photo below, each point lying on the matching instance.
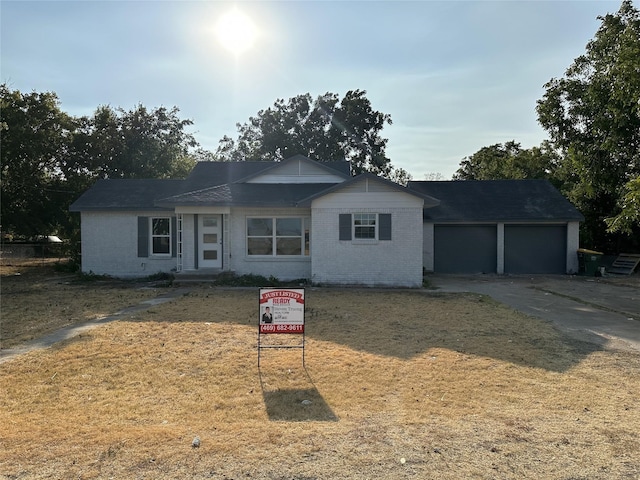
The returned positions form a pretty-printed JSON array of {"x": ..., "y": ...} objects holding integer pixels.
[{"x": 605, "y": 311}]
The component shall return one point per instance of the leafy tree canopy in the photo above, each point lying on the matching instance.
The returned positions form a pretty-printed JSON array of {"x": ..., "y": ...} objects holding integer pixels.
[
  {"x": 48, "y": 158},
  {"x": 509, "y": 160},
  {"x": 139, "y": 143},
  {"x": 592, "y": 115},
  {"x": 325, "y": 129},
  {"x": 34, "y": 137}
]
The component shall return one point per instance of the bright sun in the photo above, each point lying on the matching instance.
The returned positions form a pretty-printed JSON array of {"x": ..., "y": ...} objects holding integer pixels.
[{"x": 236, "y": 32}]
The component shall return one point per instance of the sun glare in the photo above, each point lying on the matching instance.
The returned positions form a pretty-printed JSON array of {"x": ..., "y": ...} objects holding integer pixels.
[{"x": 236, "y": 31}]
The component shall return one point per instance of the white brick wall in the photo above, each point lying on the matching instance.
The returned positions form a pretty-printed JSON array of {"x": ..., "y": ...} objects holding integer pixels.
[
  {"x": 397, "y": 262},
  {"x": 110, "y": 246},
  {"x": 282, "y": 268}
]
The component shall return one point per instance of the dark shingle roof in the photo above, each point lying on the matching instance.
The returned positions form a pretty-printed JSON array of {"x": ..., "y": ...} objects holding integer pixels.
[
  {"x": 248, "y": 194},
  {"x": 496, "y": 200},
  {"x": 143, "y": 194},
  {"x": 126, "y": 194}
]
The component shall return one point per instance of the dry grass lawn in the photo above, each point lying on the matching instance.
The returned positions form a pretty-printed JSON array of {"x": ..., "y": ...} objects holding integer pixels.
[{"x": 402, "y": 384}]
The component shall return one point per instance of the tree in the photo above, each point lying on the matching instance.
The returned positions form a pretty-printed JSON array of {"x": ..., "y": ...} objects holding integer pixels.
[
  {"x": 34, "y": 137},
  {"x": 629, "y": 216},
  {"x": 509, "y": 161},
  {"x": 139, "y": 143},
  {"x": 48, "y": 158},
  {"x": 592, "y": 115},
  {"x": 325, "y": 129},
  {"x": 400, "y": 176}
]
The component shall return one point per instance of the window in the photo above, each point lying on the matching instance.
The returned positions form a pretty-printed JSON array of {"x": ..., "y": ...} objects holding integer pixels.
[
  {"x": 364, "y": 225},
  {"x": 161, "y": 236},
  {"x": 282, "y": 236}
]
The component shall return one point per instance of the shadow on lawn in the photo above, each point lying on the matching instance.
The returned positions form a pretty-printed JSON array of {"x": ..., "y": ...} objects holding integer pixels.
[
  {"x": 291, "y": 396},
  {"x": 471, "y": 324},
  {"x": 402, "y": 324}
]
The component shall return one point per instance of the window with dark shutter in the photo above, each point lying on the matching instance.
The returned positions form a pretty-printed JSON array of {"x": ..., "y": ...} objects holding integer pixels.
[
  {"x": 384, "y": 220},
  {"x": 345, "y": 226},
  {"x": 143, "y": 236}
]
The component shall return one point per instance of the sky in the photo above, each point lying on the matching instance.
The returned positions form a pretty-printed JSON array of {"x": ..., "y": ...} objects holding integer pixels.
[{"x": 454, "y": 76}]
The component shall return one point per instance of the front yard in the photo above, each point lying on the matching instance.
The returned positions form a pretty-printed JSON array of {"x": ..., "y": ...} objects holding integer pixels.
[{"x": 401, "y": 384}]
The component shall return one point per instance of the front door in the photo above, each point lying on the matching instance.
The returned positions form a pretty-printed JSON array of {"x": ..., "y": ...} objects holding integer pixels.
[{"x": 210, "y": 241}]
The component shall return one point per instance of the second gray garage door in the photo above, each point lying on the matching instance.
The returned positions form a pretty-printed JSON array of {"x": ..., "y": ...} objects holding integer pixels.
[
  {"x": 465, "y": 248},
  {"x": 535, "y": 248}
]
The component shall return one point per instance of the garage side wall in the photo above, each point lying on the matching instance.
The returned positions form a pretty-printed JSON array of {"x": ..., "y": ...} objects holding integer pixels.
[{"x": 573, "y": 243}]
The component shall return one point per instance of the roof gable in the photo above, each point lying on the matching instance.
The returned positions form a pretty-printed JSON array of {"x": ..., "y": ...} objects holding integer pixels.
[
  {"x": 496, "y": 200},
  {"x": 368, "y": 182},
  {"x": 300, "y": 169}
]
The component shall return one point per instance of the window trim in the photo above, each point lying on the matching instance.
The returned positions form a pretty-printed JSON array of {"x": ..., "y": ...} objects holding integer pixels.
[
  {"x": 355, "y": 227},
  {"x": 305, "y": 236},
  {"x": 153, "y": 236}
]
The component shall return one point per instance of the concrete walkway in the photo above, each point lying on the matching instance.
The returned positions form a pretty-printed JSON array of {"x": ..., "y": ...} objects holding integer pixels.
[
  {"x": 595, "y": 310},
  {"x": 76, "y": 329}
]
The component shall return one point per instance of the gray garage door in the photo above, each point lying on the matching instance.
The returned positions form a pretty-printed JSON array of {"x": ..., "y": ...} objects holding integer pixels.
[
  {"x": 535, "y": 249},
  {"x": 465, "y": 248}
]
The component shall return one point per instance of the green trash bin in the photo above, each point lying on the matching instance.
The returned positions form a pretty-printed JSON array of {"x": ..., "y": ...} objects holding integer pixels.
[{"x": 589, "y": 262}]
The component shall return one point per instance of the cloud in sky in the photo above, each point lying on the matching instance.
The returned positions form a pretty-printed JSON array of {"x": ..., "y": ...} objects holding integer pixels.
[{"x": 454, "y": 76}]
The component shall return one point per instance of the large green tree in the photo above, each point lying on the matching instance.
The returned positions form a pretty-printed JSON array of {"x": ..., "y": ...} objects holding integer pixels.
[
  {"x": 325, "y": 128},
  {"x": 48, "y": 158},
  {"x": 592, "y": 115},
  {"x": 138, "y": 143},
  {"x": 509, "y": 160},
  {"x": 35, "y": 136}
]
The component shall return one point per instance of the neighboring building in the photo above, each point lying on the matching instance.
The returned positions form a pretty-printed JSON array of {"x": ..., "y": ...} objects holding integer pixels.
[{"x": 301, "y": 219}]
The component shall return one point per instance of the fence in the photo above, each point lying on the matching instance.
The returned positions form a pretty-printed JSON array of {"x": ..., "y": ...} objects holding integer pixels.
[{"x": 32, "y": 253}]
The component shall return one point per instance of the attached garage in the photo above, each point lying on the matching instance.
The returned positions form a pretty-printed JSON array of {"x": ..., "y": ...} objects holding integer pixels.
[
  {"x": 499, "y": 226},
  {"x": 465, "y": 248}
]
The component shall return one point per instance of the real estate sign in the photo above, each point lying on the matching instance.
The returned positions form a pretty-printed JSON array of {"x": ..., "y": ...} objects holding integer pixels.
[{"x": 281, "y": 310}]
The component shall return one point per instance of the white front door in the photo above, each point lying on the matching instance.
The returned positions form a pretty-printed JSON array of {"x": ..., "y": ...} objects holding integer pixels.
[{"x": 210, "y": 241}]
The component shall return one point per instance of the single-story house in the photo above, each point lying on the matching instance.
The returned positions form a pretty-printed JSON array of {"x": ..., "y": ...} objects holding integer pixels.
[{"x": 302, "y": 219}]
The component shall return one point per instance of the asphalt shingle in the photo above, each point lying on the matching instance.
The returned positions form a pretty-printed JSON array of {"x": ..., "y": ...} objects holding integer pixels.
[{"x": 496, "y": 200}]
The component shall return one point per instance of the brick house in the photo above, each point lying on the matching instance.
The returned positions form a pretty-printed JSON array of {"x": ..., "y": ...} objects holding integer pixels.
[{"x": 295, "y": 219}]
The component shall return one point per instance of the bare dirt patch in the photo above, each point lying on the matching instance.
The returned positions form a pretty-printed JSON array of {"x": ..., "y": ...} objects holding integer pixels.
[{"x": 402, "y": 384}]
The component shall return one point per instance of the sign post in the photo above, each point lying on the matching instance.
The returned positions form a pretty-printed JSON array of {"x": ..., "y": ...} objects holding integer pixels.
[{"x": 281, "y": 311}]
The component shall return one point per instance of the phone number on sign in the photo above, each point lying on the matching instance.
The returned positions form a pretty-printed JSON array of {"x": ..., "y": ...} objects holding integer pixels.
[{"x": 282, "y": 328}]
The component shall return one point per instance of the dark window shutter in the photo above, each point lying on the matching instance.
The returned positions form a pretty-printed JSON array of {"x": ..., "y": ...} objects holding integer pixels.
[
  {"x": 174, "y": 237},
  {"x": 345, "y": 226},
  {"x": 195, "y": 239},
  {"x": 143, "y": 236},
  {"x": 384, "y": 232}
]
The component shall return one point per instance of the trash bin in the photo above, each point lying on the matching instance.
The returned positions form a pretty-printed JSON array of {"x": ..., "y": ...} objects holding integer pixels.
[{"x": 589, "y": 262}]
